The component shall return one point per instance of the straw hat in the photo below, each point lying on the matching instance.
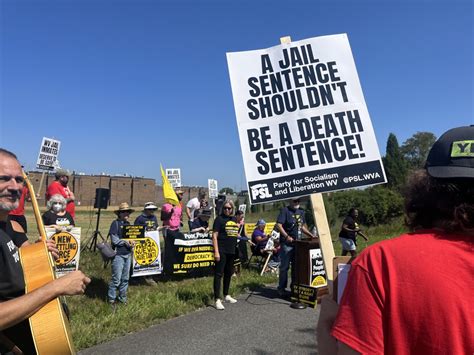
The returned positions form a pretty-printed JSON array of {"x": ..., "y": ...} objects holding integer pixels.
[{"x": 124, "y": 207}]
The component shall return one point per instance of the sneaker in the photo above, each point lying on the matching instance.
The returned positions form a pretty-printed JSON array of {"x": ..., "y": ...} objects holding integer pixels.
[
  {"x": 230, "y": 299},
  {"x": 219, "y": 305}
]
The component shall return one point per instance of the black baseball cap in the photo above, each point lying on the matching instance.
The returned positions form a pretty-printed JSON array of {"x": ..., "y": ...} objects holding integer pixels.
[{"x": 452, "y": 155}]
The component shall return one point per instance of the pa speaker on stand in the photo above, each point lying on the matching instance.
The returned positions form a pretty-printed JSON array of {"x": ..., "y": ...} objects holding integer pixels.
[{"x": 102, "y": 197}]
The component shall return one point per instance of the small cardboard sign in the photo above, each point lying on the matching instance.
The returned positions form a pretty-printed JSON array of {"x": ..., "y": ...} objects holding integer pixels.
[
  {"x": 174, "y": 177},
  {"x": 305, "y": 294},
  {"x": 48, "y": 154},
  {"x": 133, "y": 232},
  {"x": 317, "y": 272},
  {"x": 341, "y": 267},
  {"x": 212, "y": 185}
]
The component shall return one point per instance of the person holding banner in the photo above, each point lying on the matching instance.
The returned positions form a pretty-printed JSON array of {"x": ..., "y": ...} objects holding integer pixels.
[
  {"x": 122, "y": 260},
  {"x": 171, "y": 215},
  {"x": 413, "y": 294},
  {"x": 148, "y": 218},
  {"x": 291, "y": 224},
  {"x": 59, "y": 186},
  {"x": 224, "y": 240},
  {"x": 193, "y": 206},
  {"x": 201, "y": 222},
  {"x": 57, "y": 216}
]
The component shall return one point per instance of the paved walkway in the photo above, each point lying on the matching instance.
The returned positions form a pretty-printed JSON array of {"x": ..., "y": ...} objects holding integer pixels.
[{"x": 259, "y": 323}]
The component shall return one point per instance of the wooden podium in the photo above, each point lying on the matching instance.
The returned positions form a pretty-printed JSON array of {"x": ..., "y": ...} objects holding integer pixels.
[
  {"x": 303, "y": 266},
  {"x": 302, "y": 262}
]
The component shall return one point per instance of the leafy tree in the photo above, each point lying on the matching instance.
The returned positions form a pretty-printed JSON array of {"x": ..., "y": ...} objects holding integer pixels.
[
  {"x": 415, "y": 149},
  {"x": 376, "y": 205},
  {"x": 226, "y": 190},
  {"x": 394, "y": 163}
]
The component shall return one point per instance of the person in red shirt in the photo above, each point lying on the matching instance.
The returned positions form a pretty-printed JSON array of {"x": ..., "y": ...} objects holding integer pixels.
[
  {"x": 413, "y": 294},
  {"x": 59, "y": 186}
]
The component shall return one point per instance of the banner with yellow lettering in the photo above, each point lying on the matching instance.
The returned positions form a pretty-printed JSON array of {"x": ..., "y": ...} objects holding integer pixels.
[
  {"x": 190, "y": 253},
  {"x": 250, "y": 227}
]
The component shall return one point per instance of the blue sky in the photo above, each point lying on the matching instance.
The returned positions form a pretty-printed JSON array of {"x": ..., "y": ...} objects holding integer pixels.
[{"x": 127, "y": 85}]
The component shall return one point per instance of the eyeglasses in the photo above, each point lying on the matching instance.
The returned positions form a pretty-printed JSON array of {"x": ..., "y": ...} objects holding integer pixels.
[{"x": 228, "y": 208}]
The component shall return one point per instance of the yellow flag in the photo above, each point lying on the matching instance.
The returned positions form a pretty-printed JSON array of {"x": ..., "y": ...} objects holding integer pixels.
[{"x": 168, "y": 191}]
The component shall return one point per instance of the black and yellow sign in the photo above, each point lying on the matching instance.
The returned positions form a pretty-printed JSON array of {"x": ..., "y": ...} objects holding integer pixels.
[
  {"x": 304, "y": 294},
  {"x": 67, "y": 246},
  {"x": 147, "y": 255},
  {"x": 133, "y": 232},
  {"x": 68, "y": 243},
  {"x": 146, "y": 251}
]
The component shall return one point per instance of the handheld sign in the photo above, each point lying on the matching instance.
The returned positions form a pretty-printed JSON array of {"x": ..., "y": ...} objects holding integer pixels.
[
  {"x": 174, "y": 177},
  {"x": 147, "y": 255},
  {"x": 303, "y": 123},
  {"x": 133, "y": 232},
  {"x": 48, "y": 154},
  {"x": 212, "y": 185}
]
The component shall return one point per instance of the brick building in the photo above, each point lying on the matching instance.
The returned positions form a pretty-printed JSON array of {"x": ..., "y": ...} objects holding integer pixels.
[{"x": 133, "y": 190}]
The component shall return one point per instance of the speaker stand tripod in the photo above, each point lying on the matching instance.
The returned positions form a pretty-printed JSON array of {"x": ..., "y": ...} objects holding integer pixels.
[{"x": 92, "y": 244}]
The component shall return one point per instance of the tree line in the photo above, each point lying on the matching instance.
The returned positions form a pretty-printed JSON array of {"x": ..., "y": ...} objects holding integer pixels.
[{"x": 382, "y": 204}]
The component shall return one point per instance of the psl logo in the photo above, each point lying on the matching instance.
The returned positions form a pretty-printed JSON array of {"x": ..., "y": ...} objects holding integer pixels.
[{"x": 260, "y": 191}]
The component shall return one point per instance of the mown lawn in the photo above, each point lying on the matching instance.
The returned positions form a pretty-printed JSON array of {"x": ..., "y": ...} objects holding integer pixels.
[{"x": 92, "y": 319}]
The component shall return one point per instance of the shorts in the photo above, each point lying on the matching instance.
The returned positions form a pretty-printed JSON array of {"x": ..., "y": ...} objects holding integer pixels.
[{"x": 347, "y": 244}]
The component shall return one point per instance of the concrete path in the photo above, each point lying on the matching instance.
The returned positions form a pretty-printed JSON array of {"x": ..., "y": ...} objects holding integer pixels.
[{"x": 259, "y": 323}]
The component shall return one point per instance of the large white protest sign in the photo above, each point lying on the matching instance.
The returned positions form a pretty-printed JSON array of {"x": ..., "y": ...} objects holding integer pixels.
[
  {"x": 212, "y": 186},
  {"x": 303, "y": 123},
  {"x": 48, "y": 154},
  {"x": 174, "y": 177}
]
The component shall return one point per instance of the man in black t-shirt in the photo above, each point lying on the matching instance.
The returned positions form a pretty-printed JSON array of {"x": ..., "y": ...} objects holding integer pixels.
[
  {"x": 291, "y": 224},
  {"x": 15, "y": 306}
]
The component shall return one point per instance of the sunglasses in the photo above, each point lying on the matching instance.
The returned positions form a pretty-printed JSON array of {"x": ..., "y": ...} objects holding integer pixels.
[{"x": 228, "y": 208}]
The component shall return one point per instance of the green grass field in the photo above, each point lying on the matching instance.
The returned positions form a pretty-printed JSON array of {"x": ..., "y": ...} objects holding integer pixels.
[{"x": 92, "y": 320}]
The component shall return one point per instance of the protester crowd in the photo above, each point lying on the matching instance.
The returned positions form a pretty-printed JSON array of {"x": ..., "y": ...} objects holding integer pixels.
[{"x": 400, "y": 297}]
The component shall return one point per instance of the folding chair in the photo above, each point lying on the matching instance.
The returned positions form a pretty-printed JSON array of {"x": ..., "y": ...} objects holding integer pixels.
[
  {"x": 262, "y": 259},
  {"x": 256, "y": 254}
]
